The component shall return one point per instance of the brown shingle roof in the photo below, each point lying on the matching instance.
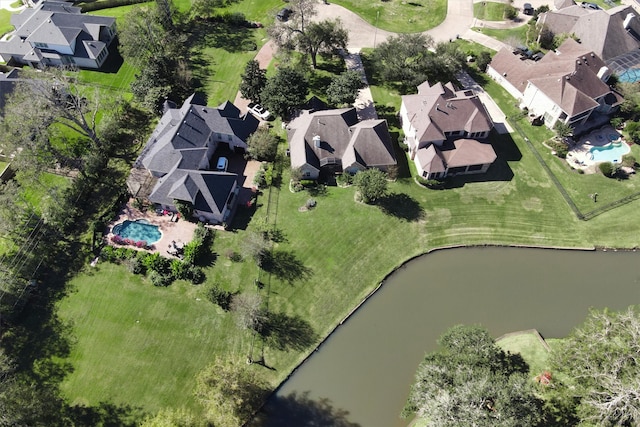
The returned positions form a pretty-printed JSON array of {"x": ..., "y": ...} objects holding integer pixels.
[{"x": 438, "y": 109}]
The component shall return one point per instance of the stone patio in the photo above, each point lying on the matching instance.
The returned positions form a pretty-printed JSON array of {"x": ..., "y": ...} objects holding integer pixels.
[{"x": 179, "y": 232}]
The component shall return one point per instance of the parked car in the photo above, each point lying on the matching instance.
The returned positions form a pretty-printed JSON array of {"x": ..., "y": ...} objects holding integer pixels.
[
  {"x": 590, "y": 5},
  {"x": 259, "y": 111},
  {"x": 284, "y": 14},
  {"x": 527, "y": 9},
  {"x": 538, "y": 56},
  {"x": 222, "y": 165}
]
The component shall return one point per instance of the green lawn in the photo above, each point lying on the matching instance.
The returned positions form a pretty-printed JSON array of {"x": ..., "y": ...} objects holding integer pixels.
[
  {"x": 37, "y": 191},
  {"x": 399, "y": 16},
  {"x": 530, "y": 348},
  {"x": 518, "y": 35},
  {"x": 5, "y": 22},
  {"x": 138, "y": 344},
  {"x": 348, "y": 247},
  {"x": 489, "y": 11}
]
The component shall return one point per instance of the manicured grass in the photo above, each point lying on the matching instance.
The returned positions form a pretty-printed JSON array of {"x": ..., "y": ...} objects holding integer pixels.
[
  {"x": 399, "y": 16},
  {"x": 489, "y": 11},
  {"x": 140, "y": 345},
  {"x": 530, "y": 348},
  {"x": 5, "y": 22},
  {"x": 347, "y": 247},
  {"x": 37, "y": 191},
  {"x": 518, "y": 35}
]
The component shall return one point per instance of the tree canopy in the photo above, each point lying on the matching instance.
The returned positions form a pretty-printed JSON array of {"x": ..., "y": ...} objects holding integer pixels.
[
  {"x": 285, "y": 91},
  {"x": 254, "y": 80},
  {"x": 470, "y": 381},
  {"x": 371, "y": 184},
  {"x": 343, "y": 89},
  {"x": 405, "y": 61},
  {"x": 602, "y": 357},
  {"x": 230, "y": 392},
  {"x": 263, "y": 145}
]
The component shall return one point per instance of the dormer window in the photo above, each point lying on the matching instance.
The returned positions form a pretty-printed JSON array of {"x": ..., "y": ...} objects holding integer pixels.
[{"x": 41, "y": 45}]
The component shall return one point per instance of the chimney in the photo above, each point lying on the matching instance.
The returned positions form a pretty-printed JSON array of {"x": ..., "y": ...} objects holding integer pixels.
[{"x": 316, "y": 141}]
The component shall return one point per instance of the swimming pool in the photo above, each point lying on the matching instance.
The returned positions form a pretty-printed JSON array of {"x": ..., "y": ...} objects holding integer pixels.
[
  {"x": 630, "y": 75},
  {"x": 611, "y": 152},
  {"x": 139, "y": 231}
]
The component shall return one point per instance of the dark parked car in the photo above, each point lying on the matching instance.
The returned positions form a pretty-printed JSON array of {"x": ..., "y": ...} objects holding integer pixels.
[
  {"x": 538, "y": 56},
  {"x": 527, "y": 9},
  {"x": 284, "y": 14}
]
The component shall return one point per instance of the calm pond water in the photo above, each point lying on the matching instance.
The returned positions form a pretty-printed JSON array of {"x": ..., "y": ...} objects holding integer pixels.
[{"x": 362, "y": 373}]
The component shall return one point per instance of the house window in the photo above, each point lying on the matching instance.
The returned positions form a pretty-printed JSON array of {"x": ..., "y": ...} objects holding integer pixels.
[
  {"x": 306, "y": 174},
  {"x": 474, "y": 168},
  {"x": 41, "y": 45},
  {"x": 228, "y": 137}
]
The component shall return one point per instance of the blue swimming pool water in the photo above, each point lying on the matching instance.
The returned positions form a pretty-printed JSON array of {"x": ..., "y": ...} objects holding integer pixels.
[
  {"x": 610, "y": 153},
  {"x": 140, "y": 230},
  {"x": 631, "y": 75}
]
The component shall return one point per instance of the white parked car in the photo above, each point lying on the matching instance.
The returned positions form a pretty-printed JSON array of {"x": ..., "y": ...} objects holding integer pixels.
[{"x": 259, "y": 111}]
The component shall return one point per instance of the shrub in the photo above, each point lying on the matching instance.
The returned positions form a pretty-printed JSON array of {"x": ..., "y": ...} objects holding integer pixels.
[
  {"x": 433, "y": 184},
  {"x": 220, "y": 297},
  {"x": 156, "y": 262},
  {"x": 121, "y": 254},
  {"x": 617, "y": 122},
  {"x": 195, "y": 274},
  {"x": 344, "y": 179},
  {"x": 107, "y": 253},
  {"x": 159, "y": 279},
  {"x": 607, "y": 169},
  {"x": 629, "y": 161},
  {"x": 135, "y": 266},
  {"x": 233, "y": 255},
  {"x": 560, "y": 148},
  {"x": 258, "y": 178},
  {"x": 179, "y": 270}
]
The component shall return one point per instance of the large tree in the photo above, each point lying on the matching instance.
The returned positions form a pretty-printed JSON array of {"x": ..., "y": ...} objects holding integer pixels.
[
  {"x": 230, "y": 392},
  {"x": 403, "y": 59},
  {"x": 602, "y": 357},
  {"x": 470, "y": 381},
  {"x": 161, "y": 54},
  {"x": 327, "y": 36},
  {"x": 343, "y": 89},
  {"x": 254, "y": 80},
  {"x": 285, "y": 91},
  {"x": 371, "y": 184},
  {"x": 51, "y": 120},
  {"x": 263, "y": 145}
]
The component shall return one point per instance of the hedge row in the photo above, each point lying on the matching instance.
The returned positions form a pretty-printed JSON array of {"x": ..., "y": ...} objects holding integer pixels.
[{"x": 106, "y": 4}]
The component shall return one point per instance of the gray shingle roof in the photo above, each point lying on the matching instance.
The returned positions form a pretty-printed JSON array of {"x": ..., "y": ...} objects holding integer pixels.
[
  {"x": 60, "y": 24},
  {"x": 189, "y": 128}
]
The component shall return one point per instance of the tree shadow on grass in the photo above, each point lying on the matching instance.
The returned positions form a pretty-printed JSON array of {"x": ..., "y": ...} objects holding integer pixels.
[
  {"x": 106, "y": 414},
  {"x": 401, "y": 206},
  {"x": 285, "y": 266},
  {"x": 302, "y": 411},
  {"x": 285, "y": 332}
]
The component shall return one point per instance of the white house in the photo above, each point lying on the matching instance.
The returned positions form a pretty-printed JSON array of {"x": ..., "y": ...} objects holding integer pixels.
[{"x": 568, "y": 85}]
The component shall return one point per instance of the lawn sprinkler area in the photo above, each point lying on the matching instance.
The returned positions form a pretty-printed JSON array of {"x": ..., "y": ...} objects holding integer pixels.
[{"x": 602, "y": 145}]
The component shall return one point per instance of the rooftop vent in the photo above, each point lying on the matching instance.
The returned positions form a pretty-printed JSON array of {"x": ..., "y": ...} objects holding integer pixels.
[
  {"x": 504, "y": 74},
  {"x": 578, "y": 62}
]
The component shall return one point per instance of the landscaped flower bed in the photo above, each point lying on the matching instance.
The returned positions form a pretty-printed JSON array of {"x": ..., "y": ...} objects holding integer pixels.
[{"x": 130, "y": 242}]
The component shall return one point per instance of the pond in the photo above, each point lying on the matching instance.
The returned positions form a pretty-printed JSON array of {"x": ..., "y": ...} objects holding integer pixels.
[{"x": 361, "y": 375}]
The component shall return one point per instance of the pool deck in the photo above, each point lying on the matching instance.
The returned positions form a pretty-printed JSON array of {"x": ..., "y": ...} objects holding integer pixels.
[
  {"x": 180, "y": 231},
  {"x": 579, "y": 157}
]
